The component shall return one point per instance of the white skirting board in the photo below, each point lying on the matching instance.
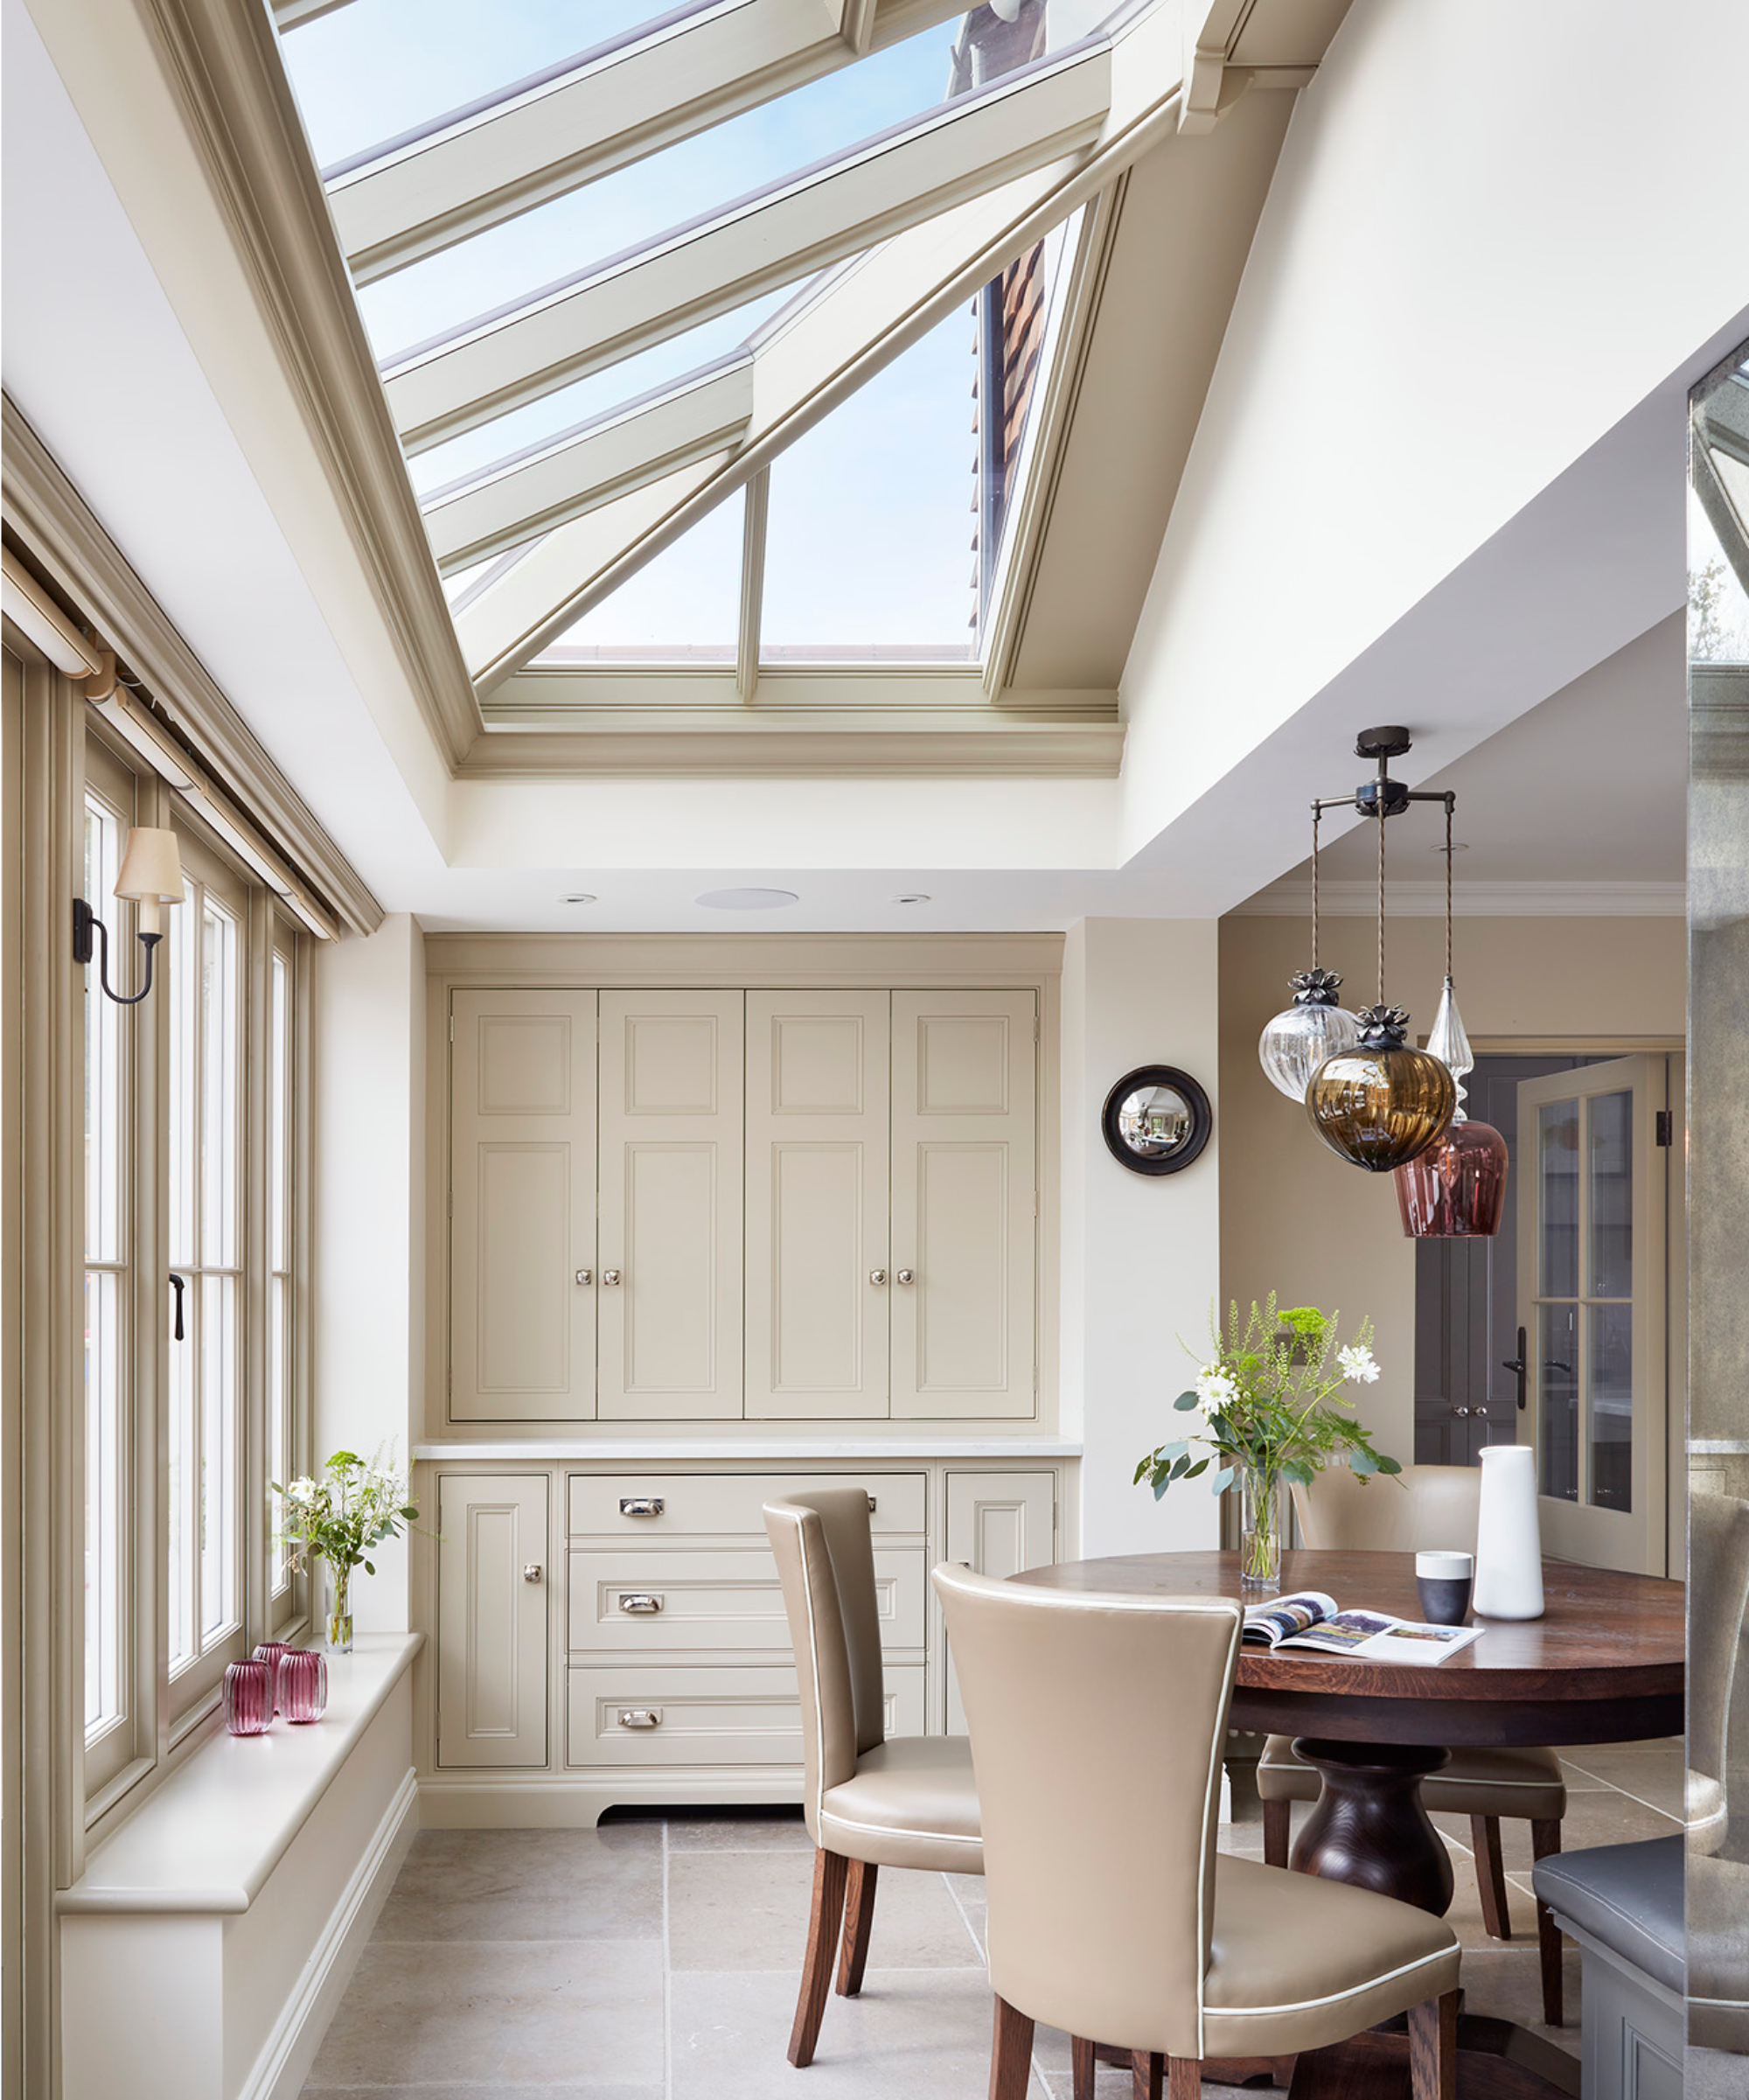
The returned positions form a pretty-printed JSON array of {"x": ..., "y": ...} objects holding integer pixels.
[{"x": 283, "y": 2065}]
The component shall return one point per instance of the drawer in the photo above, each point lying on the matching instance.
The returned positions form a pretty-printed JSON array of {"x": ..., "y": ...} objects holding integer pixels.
[
  {"x": 725, "y": 1504},
  {"x": 691, "y": 1598},
  {"x": 705, "y": 1717}
]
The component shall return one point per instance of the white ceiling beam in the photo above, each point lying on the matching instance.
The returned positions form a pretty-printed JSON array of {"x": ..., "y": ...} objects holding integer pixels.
[
  {"x": 611, "y": 107},
  {"x": 816, "y": 354},
  {"x": 961, "y": 151},
  {"x": 751, "y": 621},
  {"x": 578, "y": 472},
  {"x": 292, "y": 14}
]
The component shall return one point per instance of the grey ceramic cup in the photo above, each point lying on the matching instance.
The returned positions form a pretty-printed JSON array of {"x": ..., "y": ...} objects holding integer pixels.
[{"x": 1445, "y": 1581}]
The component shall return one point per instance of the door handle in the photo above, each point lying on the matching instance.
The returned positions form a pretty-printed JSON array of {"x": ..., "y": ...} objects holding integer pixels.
[
  {"x": 532, "y": 1572},
  {"x": 1519, "y": 1366},
  {"x": 640, "y": 1717},
  {"x": 640, "y": 1505},
  {"x": 877, "y": 1275},
  {"x": 609, "y": 1275},
  {"x": 908, "y": 1275},
  {"x": 638, "y": 1601},
  {"x": 586, "y": 1275}
]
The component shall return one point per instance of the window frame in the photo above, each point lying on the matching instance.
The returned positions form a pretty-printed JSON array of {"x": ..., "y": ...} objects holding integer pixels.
[{"x": 167, "y": 1715}]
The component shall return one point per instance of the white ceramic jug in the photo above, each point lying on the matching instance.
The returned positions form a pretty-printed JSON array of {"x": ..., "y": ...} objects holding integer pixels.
[{"x": 1509, "y": 1569}]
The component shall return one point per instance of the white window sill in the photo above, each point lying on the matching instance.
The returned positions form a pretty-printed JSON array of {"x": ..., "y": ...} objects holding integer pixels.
[{"x": 206, "y": 1841}]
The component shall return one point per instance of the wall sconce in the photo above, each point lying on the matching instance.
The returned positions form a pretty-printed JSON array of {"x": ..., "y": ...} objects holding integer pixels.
[{"x": 152, "y": 877}]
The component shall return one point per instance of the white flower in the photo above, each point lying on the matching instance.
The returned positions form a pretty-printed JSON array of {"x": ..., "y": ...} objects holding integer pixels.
[
  {"x": 1215, "y": 1387},
  {"x": 1359, "y": 1366}
]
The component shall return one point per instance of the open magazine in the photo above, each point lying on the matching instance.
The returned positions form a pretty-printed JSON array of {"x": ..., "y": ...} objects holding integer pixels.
[{"x": 1309, "y": 1619}]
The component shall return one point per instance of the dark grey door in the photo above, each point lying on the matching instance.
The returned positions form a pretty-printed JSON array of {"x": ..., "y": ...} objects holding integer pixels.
[{"x": 1466, "y": 1297}]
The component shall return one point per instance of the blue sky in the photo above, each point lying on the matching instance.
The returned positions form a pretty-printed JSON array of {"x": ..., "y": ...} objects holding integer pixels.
[{"x": 870, "y": 520}]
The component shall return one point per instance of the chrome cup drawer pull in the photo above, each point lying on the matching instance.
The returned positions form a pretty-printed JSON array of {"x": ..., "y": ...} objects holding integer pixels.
[
  {"x": 637, "y": 1600},
  {"x": 640, "y": 1505},
  {"x": 640, "y": 1717}
]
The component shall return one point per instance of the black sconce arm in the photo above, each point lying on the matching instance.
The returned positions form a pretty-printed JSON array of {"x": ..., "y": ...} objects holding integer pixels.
[{"x": 86, "y": 925}]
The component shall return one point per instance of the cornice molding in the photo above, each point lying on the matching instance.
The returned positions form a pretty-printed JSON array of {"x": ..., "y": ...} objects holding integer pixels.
[
  {"x": 1472, "y": 900},
  {"x": 223, "y": 65},
  {"x": 65, "y": 543}
]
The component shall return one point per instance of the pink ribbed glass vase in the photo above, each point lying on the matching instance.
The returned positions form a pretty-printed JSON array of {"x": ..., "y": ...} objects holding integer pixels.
[
  {"x": 248, "y": 1697},
  {"x": 270, "y": 1652},
  {"x": 302, "y": 1685}
]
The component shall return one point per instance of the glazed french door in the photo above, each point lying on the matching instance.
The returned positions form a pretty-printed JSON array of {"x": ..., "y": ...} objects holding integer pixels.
[{"x": 1592, "y": 1253}]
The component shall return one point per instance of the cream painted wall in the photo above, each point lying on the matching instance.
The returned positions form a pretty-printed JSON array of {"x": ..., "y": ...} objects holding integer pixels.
[
  {"x": 1296, "y": 1220},
  {"x": 369, "y": 1071},
  {"x": 1139, "y": 1253}
]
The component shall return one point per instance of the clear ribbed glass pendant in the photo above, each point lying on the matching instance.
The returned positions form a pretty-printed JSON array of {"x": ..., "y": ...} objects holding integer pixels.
[
  {"x": 1298, "y": 1039},
  {"x": 1450, "y": 1043}
]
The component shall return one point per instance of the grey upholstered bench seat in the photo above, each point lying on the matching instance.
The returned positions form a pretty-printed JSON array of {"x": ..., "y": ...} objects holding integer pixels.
[{"x": 1627, "y": 1896}]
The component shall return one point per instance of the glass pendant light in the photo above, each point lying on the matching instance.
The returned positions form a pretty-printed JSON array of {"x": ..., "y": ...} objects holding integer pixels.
[
  {"x": 1456, "y": 1189},
  {"x": 1302, "y": 1036},
  {"x": 1382, "y": 1103}
]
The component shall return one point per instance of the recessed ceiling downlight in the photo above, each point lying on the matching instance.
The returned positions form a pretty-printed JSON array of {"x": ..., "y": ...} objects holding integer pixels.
[
  {"x": 746, "y": 900},
  {"x": 912, "y": 896},
  {"x": 578, "y": 897}
]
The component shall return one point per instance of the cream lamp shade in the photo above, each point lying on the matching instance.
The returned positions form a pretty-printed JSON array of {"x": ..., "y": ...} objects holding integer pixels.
[{"x": 151, "y": 874}]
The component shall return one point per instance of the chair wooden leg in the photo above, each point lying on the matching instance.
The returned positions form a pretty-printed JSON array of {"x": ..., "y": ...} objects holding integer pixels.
[
  {"x": 1545, "y": 1838},
  {"x": 1011, "y": 2054},
  {"x": 859, "y": 1916},
  {"x": 831, "y": 1870},
  {"x": 1082, "y": 2064},
  {"x": 1146, "y": 2070},
  {"x": 1490, "y": 1875},
  {"x": 1434, "y": 2048},
  {"x": 1184, "y": 2074},
  {"x": 1277, "y": 1827}
]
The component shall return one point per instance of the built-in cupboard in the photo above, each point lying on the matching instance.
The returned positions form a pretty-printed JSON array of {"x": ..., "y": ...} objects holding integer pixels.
[{"x": 711, "y": 1206}]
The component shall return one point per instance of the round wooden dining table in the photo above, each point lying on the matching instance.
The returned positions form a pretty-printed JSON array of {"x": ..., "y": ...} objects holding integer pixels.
[{"x": 1604, "y": 1663}]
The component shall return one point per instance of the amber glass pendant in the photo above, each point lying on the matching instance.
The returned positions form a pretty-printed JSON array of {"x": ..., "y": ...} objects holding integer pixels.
[{"x": 1382, "y": 1103}]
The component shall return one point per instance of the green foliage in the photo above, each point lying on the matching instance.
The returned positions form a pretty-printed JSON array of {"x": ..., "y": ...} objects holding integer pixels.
[
  {"x": 1272, "y": 1403},
  {"x": 355, "y": 1505}
]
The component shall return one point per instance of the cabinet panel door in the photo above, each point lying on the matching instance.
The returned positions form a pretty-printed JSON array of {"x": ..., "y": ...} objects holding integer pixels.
[
  {"x": 997, "y": 1524},
  {"x": 522, "y": 1127},
  {"x": 670, "y": 1222},
  {"x": 817, "y": 1139},
  {"x": 492, "y": 1621},
  {"x": 964, "y": 1204}
]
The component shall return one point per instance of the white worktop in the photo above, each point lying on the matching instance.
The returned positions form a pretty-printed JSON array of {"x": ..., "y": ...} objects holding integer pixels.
[
  {"x": 647, "y": 1454},
  {"x": 207, "y": 1839}
]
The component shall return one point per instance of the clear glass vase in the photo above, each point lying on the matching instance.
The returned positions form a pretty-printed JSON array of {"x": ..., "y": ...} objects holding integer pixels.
[
  {"x": 1260, "y": 1527},
  {"x": 340, "y": 1610}
]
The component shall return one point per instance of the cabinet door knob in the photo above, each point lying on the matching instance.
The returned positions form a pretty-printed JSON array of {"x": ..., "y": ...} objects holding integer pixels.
[
  {"x": 1482, "y": 1410},
  {"x": 609, "y": 1275},
  {"x": 532, "y": 1572},
  {"x": 640, "y": 1505},
  {"x": 586, "y": 1275},
  {"x": 636, "y": 1601},
  {"x": 1460, "y": 1411},
  {"x": 908, "y": 1275},
  {"x": 640, "y": 1717},
  {"x": 877, "y": 1275}
]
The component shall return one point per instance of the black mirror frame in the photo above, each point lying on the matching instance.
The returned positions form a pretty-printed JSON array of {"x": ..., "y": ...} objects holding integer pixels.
[{"x": 1201, "y": 1118}]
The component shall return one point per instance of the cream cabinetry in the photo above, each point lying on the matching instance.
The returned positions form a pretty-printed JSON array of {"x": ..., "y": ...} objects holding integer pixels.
[
  {"x": 718, "y": 1205},
  {"x": 659, "y": 1624},
  {"x": 491, "y": 1620}
]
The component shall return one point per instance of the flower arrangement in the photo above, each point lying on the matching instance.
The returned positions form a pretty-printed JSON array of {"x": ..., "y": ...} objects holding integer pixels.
[
  {"x": 1269, "y": 1407},
  {"x": 355, "y": 1505}
]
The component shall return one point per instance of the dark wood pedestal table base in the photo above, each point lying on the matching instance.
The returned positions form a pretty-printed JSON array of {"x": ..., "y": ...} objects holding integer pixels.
[{"x": 1603, "y": 1664}]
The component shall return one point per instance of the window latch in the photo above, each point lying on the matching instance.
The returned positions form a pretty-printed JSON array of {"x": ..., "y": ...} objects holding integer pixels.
[{"x": 178, "y": 1284}]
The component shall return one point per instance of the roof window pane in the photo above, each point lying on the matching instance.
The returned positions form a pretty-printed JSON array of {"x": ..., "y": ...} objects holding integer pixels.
[
  {"x": 682, "y": 608},
  {"x": 868, "y": 546}
]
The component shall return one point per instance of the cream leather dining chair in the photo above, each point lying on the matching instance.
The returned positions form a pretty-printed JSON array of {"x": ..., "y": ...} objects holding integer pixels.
[
  {"x": 1098, "y": 1727},
  {"x": 870, "y": 1800},
  {"x": 1434, "y": 1507}
]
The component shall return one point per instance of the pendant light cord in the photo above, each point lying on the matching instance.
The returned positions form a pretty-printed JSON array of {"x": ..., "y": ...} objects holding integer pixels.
[
  {"x": 1316, "y": 814},
  {"x": 1381, "y": 907},
  {"x": 1448, "y": 889}
]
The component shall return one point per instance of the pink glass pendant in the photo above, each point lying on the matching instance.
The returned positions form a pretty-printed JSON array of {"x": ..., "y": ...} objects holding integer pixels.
[
  {"x": 1456, "y": 1188},
  {"x": 270, "y": 1652},
  {"x": 302, "y": 1685},
  {"x": 248, "y": 1697}
]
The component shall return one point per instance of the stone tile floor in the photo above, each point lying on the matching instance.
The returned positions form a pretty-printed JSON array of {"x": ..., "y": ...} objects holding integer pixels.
[{"x": 656, "y": 1958}]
